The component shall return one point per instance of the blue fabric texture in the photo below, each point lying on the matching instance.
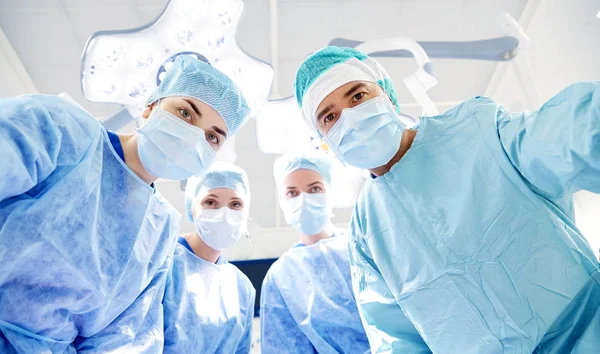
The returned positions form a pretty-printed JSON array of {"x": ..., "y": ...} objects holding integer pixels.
[
  {"x": 182, "y": 241},
  {"x": 208, "y": 307},
  {"x": 191, "y": 77},
  {"x": 470, "y": 237},
  {"x": 219, "y": 175},
  {"x": 116, "y": 144},
  {"x": 77, "y": 272},
  {"x": 144, "y": 318},
  {"x": 307, "y": 304}
]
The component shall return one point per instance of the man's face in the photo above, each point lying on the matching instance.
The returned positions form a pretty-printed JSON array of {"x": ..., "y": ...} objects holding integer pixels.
[
  {"x": 347, "y": 96},
  {"x": 196, "y": 113}
]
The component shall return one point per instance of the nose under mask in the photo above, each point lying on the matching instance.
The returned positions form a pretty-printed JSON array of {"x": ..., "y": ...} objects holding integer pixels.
[
  {"x": 308, "y": 213},
  {"x": 220, "y": 228},
  {"x": 171, "y": 148},
  {"x": 368, "y": 135}
]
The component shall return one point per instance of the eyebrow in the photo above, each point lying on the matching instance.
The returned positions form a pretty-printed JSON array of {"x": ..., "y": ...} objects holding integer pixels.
[
  {"x": 348, "y": 93},
  {"x": 211, "y": 195},
  {"x": 355, "y": 88},
  {"x": 315, "y": 183},
  {"x": 220, "y": 131},
  {"x": 324, "y": 111},
  {"x": 194, "y": 107}
]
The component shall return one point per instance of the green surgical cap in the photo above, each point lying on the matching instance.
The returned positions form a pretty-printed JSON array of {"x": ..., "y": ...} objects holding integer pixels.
[{"x": 332, "y": 67}]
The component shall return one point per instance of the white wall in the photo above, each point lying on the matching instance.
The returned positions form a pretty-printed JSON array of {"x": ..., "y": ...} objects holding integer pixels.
[{"x": 575, "y": 26}]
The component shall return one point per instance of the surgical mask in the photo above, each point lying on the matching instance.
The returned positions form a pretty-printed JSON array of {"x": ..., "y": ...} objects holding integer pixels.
[
  {"x": 171, "y": 148},
  {"x": 220, "y": 228},
  {"x": 308, "y": 213},
  {"x": 368, "y": 135}
]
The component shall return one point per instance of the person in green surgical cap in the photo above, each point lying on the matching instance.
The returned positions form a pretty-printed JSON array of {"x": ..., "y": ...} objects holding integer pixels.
[{"x": 464, "y": 240}]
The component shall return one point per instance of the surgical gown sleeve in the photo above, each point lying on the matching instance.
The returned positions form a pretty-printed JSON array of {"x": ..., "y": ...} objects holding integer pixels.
[
  {"x": 32, "y": 137},
  {"x": 139, "y": 329},
  {"x": 386, "y": 325},
  {"x": 246, "y": 341},
  {"x": 279, "y": 331},
  {"x": 557, "y": 148}
]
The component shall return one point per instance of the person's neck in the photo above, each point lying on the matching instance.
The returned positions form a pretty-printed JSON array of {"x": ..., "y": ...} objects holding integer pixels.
[
  {"x": 132, "y": 158},
  {"x": 201, "y": 249},
  {"x": 309, "y": 240},
  {"x": 408, "y": 136}
]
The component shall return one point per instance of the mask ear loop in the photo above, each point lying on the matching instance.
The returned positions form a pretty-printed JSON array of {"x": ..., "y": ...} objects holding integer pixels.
[
  {"x": 330, "y": 228},
  {"x": 157, "y": 105},
  {"x": 325, "y": 147},
  {"x": 329, "y": 197},
  {"x": 247, "y": 232}
]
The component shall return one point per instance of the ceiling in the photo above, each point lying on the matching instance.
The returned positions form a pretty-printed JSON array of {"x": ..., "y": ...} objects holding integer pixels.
[
  {"x": 44, "y": 39},
  {"x": 49, "y": 35}
]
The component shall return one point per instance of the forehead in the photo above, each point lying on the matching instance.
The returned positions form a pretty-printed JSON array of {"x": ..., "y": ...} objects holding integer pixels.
[
  {"x": 220, "y": 193},
  {"x": 301, "y": 178},
  {"x": 210, "y": 114},
  {"x": 340, "y": 94}
]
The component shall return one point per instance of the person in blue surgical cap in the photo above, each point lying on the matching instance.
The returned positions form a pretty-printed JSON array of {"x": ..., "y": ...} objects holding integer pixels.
[
  {"x": 306, "y": 302},
  {"x": 85, "y": 239},
  {"x": 208, "y": 302},
  {"x": 464, "y": 240}
]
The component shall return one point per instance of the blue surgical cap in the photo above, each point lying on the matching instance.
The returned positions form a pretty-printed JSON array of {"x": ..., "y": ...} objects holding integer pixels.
[
  {"x": 330, "y": 68},
  {"x": 191, "y": 77},
  {"x": 309, "y": 160},
  {"x": 219, "y": 175}
]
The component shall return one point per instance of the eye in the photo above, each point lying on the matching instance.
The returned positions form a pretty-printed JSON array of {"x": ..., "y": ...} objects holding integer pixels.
[
  {"x": 185, "y": 114},
  {"x": 359, "y": 96},
  {"x": 316, "y": 189},
  {"x": 212, "y": 138},
  {"x": 291, "y": 194},
  {"x": 210, "y": 203},
  {"x": 328, "y": 118},
  {"x": 236, "y": 205}
]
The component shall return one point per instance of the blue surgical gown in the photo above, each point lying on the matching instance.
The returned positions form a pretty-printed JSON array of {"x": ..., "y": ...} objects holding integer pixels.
[
  {"x": 307, "y": 304},
  {"x": 468, "y": 244},
  {"x": 208, "y": 307},
  {"x": 84, "y": 242}
]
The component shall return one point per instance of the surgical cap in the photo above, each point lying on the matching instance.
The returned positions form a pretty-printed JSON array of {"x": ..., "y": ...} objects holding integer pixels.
[
  {"x": 330, "y": 68},
  {"x": 191, "y": 77},
  {"x": 219, "y": 175},
  {"x": 309, "y": 160}
]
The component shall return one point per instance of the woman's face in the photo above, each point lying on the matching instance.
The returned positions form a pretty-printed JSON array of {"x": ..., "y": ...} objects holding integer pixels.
[
  {"x": 303, "y": 181},
  {"x": 219, "y": 198},
  {"x": 196, "y": 113}
]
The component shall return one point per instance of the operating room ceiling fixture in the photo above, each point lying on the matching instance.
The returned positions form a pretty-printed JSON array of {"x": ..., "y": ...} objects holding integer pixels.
[{"x": 125, "y": 66}]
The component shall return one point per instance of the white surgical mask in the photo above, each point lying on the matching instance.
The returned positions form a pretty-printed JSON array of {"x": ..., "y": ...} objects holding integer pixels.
[
  {"x": 368, "y": 135},
  {"x": 308, "y": 213},
  {"x": 220, "y": 228},
  {"x": 171, "y": 148}
]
